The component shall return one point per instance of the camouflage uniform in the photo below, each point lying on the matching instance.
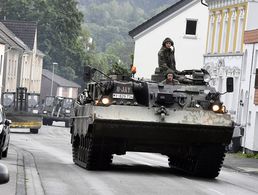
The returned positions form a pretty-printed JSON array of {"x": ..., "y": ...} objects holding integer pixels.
[
  {"x": 168, "y": 82},
  {"x": 166, "y": 58}
]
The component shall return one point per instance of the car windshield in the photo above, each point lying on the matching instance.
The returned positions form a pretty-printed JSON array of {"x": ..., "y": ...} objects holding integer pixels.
[
  {"x": 49, "y": 101},
  {"x": 33, "y": 100},
  {"x": 67, "y": 103},
  {"x": 8, "y": 99}
]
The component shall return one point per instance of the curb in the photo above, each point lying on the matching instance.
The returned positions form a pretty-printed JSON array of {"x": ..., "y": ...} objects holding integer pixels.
[
  {"x": 28, "y": 178},
  {"x": 241, "y": 170}
]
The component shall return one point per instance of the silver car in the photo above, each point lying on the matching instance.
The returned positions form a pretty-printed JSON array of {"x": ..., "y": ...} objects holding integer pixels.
[{"x": 4, "y": 133}]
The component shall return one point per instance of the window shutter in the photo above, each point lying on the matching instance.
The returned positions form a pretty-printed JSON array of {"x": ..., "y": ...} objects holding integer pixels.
[{"x": 256, "y": 79}]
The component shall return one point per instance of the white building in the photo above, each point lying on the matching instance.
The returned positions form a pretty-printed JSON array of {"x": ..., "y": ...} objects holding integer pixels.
[
  {"x": 2, "y": 51},
  {"x": 14, "y": 49},
  {"x": 31, "y": 64},
  {"x": 23, "y": 62},
  {"x": 227, "y": 56},
  {"x": 185, "y": 23},
  {"x": 248, "y": 112}
]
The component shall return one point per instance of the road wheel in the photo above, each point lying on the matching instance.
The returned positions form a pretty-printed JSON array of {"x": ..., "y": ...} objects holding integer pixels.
[
  {"x": 34, "y": 131},
  {"x": 4, "y": 153}
]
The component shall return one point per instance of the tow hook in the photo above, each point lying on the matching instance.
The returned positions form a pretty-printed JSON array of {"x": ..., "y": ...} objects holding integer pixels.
[{"x": 163, "y": 112}]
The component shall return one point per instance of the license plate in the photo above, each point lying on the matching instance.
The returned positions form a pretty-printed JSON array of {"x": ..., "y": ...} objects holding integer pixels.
[{"x": 122, "y": 96}]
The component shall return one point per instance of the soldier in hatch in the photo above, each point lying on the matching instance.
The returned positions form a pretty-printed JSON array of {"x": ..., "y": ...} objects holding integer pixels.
[
  {"x": 170, "y": 79},
  {"x": 166, "y": 57}
]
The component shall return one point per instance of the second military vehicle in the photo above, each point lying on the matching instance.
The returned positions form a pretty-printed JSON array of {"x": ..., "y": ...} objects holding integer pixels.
[
  {"x": 57, "y": 109},
  {"x": 187, "y": 122},
  {"x": 22, "y": 108}
]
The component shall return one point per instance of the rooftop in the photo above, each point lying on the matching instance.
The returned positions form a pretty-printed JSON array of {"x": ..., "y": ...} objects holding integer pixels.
[
  {"x": 23, "y": 29},
  {"x": 59, "y": 80}
]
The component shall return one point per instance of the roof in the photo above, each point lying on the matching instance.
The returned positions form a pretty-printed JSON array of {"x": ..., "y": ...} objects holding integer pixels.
[
  {"x": 155, "y": 19},
  {"x": 9, "y": 37},
  {"x": 59, "y": 80},
  {"x": 2, "y": 41},
  {"x": 251, "y": 36},
  {"x": 23, "y": 29}
]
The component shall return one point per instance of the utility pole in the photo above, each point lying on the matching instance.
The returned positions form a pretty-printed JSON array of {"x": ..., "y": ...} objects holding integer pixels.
[{"x": 52, "y": 80}]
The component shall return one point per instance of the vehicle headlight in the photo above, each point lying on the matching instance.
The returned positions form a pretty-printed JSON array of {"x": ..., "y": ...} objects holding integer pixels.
[
  {"x": 207, "y": 78},
  {"x": 219, "y": 108},
  {"x": 215, "y": 108},
  {"x": 105, "y": 101},
  {"x": 35, "y": 111},
  {"x": 67, "y": 111}
]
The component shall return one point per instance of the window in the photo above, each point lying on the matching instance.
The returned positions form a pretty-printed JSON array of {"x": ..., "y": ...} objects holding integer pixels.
[
  {"x": 191, "y": 27},
  {"x": 216, "y": 41},
  {"x": 224, "y": 31},
  {"x": 232, "y": 30},
  {"x": 240, "y": 29},
  {"x": 211, "y": 26},
  {"x": 256, "y": 79}
]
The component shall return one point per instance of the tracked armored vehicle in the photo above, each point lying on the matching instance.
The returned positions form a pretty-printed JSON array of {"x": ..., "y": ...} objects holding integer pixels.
[{"x": 187, "y": 122}]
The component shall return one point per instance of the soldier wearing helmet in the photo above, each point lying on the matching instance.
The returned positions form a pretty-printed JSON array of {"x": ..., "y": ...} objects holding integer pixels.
[
  {"x": 166, "y": 57},
  {"x": 170, "y": 79}
]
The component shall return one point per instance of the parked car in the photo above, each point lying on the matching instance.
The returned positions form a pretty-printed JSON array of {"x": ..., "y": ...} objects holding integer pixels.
[{"x": 4, "y": 133}]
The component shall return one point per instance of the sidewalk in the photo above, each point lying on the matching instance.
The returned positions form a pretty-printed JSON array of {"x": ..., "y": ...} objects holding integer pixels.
[{"x": 242, "y": 164}]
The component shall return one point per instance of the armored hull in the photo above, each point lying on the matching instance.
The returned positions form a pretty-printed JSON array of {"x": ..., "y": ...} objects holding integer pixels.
[{"x": 186, "y": 126}]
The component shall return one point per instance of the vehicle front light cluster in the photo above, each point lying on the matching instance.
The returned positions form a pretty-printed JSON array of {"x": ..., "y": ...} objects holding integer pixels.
[
  {"x": 219, "y": 108},
  {"x": 104, "y": 101}
]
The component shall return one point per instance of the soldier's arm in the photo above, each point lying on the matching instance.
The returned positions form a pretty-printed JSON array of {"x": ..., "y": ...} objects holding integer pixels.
[{"x": 162, "y": 62}]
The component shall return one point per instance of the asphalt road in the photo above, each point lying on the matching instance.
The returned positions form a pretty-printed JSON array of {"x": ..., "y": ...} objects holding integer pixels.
[{"x": 42, "y": 164}]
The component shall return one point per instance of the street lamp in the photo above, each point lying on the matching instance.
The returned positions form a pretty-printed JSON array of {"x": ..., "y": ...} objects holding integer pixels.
[{"x": 52, "y": 80}]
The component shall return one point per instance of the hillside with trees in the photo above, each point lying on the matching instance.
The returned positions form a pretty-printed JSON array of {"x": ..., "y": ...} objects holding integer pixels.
[{"x": 110, "y": 21}]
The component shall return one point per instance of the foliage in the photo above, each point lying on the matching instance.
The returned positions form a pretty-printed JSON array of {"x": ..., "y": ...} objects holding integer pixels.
[{"x": 248, "y": 155}]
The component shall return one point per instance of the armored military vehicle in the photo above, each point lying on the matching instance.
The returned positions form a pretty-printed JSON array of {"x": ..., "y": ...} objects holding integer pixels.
[
  {"x": 22, "y": 108},
  {"x": 57, "y": 109},
  {"x": 187, "y": 122}
]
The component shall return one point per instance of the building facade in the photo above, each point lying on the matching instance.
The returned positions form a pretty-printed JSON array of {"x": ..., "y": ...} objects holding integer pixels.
[
  {"x": 2, "y": 51},
  {"x": 185, "y": 23},
  {"x": 14, "y": 50},
  {"x": 60, "y": 86},
  {"x": 31, "y": 61},
  {"x": 227, "y": 56},
  {"x": 248, "y": 113}
]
